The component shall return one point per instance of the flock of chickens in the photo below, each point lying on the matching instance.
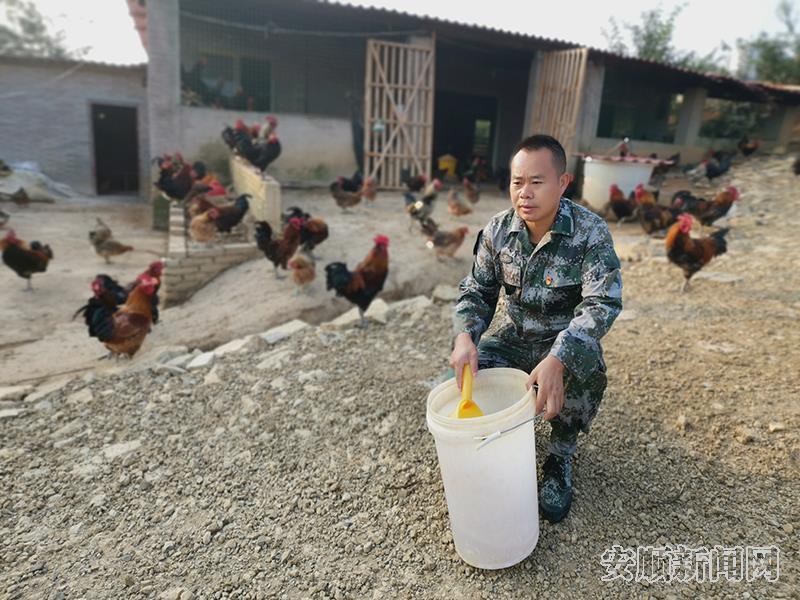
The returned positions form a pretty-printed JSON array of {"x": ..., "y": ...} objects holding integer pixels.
[
  {"x": 120, "y": 316},
  {"x": 690, "y": 254}
]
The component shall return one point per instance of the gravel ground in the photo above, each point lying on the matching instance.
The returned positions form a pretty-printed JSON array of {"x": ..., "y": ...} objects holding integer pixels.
[{"x": 305, "y": 469}]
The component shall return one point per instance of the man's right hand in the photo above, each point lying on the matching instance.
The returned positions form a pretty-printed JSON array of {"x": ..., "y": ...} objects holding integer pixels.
[{"x": 464, "y": 352}]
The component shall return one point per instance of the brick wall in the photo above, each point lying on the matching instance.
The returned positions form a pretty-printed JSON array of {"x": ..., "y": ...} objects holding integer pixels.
[
  {"x": 190, "y": 266},
  {"x": 45, "y": 114}
]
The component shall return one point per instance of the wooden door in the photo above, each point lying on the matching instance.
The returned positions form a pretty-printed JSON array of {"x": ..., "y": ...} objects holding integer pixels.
[
  {"x": 398, "y": 111},
  {"x": 557, "y": 101},
  {"x": 116, "y": 148}
]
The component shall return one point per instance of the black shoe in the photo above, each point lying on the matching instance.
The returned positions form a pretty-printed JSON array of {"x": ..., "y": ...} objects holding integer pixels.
[{"x": 555, "y": 493}]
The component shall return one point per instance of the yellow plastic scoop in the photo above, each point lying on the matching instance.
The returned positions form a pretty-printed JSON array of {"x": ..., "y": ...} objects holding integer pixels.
[{"x": 467, "y": 409}]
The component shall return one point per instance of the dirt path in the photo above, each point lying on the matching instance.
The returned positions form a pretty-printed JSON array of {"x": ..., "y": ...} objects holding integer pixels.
[
  {"x": 39, "y": 340},
  {"x": 307, "y": 471}
]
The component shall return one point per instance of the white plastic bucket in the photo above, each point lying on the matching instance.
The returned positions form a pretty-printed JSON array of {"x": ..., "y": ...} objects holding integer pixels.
[
  {"x": 599, "y": 175},
  {"x": 488, "y": 467}
]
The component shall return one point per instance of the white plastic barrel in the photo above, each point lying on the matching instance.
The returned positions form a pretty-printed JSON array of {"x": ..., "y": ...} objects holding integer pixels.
[
  {"x": 599, "y": 174},
  {"x": 489, "y": 479}
]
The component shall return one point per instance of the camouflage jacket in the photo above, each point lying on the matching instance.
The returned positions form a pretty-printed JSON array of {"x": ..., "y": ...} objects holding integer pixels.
[{"x": 568, "y": 289}]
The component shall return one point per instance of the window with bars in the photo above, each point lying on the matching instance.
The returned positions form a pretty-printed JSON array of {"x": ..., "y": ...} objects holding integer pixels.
[
  {"x": 631, "y": 108},
  {"x": 228, "y": 81}
]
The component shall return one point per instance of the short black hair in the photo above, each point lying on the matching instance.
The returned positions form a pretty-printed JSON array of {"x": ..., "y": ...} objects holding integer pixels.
[{"x": 539, "y": 141}]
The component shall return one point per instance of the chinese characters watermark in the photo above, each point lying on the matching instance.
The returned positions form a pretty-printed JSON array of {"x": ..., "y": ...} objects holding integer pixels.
[{"x": 682, "y": 564}]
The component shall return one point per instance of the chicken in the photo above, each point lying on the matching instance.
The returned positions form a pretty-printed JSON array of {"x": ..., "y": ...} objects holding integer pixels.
[
  {"x": 661, "y": 169},
  {"x": 4, "y": 217},
  {"x": 419, "y": 210},
  {"x": 111, "y": 247},
  {"x": 455, "y": 206},
  {"x": 690, "y": 254},
  {"x": 430, "y": 191},
  {"x": 102, "y": 238},
  {"x": 446, "y": 243},
  {"x": 471, "y": 190},
  {"x": 685, "y": 201},
  {"x": 124, "y": 331},
  {"x": 720, "y": 206},
  {"x": 704, "y": 210},
  {"x": 654, "y": 217},
  {"x": 101, "y": 232},
  {"x": 362, "y": 284},
  {"x": 414, "y": 183},
  {"x": 313, "y": 232},
  {"x": 196, "y": 202},
  {"x": 226, "y": 218},
  {"x": 175, "y": 177},
  {"x": 644, "y": 197},
  {"x": 717, "y": 165},
  {"x": 268, "y": 127},
  {"x": 343, "y": 198},
  {"x": 109, "y": 295},
  {"x": 746, "y": 147},
  {"x": 202, "y": 228},
  {"x": 369, "y": 189},
  {"x": 354, "y": 184},
  {"x": 25, "y": 259},
  {"x": 303, "y": 269},
  {"x": 231, "y": 137},
  {"x": 268, "y": 152},
  {"x": 428, "y": 227},
  {"x": 279, "y": 250},
  {"x": 260, "y": 153},
  {"x": 623, "y": 208}
]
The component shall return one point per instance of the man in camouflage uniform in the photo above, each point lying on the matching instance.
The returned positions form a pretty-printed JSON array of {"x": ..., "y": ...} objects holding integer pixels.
[{"x": 557, "y": 264}]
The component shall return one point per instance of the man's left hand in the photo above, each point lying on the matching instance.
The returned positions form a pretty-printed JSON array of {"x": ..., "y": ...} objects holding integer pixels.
[{"x": 549, "y": 375}]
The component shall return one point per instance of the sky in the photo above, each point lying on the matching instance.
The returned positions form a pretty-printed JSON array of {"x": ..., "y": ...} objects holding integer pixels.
[{"x": 106, "y": 27}]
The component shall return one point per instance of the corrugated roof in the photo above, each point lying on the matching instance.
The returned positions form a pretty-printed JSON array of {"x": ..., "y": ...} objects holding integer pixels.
[
  {"x": 441, "y": 20},
  {"x": 754, "y": 88},
  {"x": 68, "y": 62},
  {"x": 721, "y": 85}
]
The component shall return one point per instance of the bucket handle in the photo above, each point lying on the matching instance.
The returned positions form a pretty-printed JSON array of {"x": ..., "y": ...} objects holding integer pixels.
[{"x": 486, "y": 439}]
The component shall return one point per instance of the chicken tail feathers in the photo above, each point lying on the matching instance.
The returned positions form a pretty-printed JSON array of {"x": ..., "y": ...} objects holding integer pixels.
[
  {"x": 719, "y": 240},
  {"x": 263, "y": 235}
]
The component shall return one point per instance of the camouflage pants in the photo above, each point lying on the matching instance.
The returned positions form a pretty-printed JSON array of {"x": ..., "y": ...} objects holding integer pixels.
[{"x": 582, "y": 398}]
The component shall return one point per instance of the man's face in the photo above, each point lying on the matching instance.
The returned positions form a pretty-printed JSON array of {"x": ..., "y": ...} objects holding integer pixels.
[{"x": 536, "y": 186}]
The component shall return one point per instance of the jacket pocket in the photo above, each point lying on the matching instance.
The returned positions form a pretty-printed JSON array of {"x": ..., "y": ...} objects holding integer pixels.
[
  {"x": 562, "y": 290},
  {"x": 511, "y": 272}
]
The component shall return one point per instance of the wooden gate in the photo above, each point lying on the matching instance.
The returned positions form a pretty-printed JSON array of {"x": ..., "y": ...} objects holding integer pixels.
[
  {"x": 398, "y": 111},
  {"x": 557, "y": 101}
]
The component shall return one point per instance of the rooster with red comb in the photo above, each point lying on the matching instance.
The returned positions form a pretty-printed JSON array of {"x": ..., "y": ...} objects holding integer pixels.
[{"x": 361, "y": 285}]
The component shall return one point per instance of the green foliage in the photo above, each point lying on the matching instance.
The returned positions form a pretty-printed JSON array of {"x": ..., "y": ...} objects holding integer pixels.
[
  {"x": 733, "y": 120},
  {"x": 217, "y": 157},
  {"x": 651, "y": 39},
  {"x": 773, "y": 58},
  {"x": 24, "y": 32}
]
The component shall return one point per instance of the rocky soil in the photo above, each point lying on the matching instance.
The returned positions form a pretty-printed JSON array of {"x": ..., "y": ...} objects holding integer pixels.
[{"x": 301, "y": 466}]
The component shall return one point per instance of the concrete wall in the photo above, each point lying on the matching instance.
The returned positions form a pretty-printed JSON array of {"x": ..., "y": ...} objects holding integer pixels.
[
  {"x": 163, "y": 75},
  {"x": 45, "y": 115},
  {"x": 312, "y": 148}
]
